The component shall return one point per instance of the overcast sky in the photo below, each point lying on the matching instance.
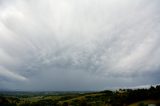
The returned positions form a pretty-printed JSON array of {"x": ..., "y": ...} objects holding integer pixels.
[{"x": 79, "y": 44}]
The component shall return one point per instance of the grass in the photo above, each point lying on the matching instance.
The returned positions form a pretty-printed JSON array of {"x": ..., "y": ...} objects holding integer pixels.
[
  {"x": 145, "y": 102},
  {"x": 80, "y": 98}
]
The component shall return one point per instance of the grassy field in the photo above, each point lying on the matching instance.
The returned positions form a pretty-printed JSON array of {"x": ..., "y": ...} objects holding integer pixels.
[
  {"x": 145, "y": 102},
  {"x": 121, "y": 97}
]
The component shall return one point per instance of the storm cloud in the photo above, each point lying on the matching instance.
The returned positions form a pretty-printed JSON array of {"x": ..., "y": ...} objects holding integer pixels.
[{"x": 79, "y": 44}]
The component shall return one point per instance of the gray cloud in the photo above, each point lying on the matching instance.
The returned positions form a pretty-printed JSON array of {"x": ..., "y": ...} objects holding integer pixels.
[{"x": 79, "y": 45}]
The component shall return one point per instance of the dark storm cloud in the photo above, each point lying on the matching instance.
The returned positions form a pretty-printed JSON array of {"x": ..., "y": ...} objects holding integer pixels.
[{"x": 79, "y": 45}]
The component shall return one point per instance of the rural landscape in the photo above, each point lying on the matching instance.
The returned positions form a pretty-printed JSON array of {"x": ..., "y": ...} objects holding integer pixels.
[
  {"x": 121, "y": 97},
  {"x": 79, "y": 52}
]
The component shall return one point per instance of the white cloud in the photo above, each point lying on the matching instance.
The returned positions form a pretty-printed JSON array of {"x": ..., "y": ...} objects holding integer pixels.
[
  {"x": 106, "y": 42},
  {"x": 11, "y": 75}
]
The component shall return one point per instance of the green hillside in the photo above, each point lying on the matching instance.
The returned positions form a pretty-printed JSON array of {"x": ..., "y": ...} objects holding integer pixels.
[{"x": 122, "y": 97}]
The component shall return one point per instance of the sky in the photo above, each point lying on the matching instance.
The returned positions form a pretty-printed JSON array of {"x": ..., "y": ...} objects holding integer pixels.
[{"x": 66, "y": 45}]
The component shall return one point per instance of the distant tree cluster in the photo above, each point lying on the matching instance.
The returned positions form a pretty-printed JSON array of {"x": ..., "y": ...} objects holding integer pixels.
[{"x": 128, "y": 96}]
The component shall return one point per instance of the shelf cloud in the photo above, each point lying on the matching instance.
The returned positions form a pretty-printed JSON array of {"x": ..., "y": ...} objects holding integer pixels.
[{"x": 79, "y": 45}]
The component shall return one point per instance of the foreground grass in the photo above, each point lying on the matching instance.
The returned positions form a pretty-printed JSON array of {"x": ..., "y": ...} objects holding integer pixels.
[{"x": 145, "y": 102}]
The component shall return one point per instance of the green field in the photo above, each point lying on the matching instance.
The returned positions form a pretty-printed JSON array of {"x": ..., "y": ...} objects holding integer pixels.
[
  {"x": 122, "y": 97},
  {"x": 145, "y": 102}
]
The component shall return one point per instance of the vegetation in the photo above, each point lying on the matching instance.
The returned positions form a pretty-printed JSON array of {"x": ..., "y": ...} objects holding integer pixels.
[{"x": 122, "y": 97}]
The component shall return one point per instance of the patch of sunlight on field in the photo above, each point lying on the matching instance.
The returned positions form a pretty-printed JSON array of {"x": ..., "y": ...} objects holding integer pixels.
[{"x": 37, "y": 98}]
